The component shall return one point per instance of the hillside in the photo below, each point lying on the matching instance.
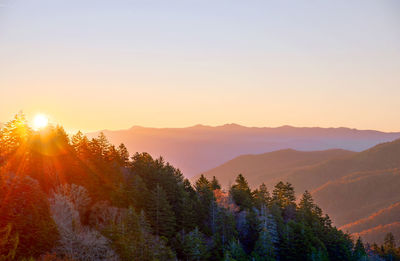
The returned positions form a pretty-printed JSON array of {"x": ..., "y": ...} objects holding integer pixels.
[
  {"x": 376, "y": 225},
  {"x": 200, "y": 148},
  {"x": 271, "y": 167},
  {"x": 359, "y": 195},
  {"x": 349, "y": 186}
]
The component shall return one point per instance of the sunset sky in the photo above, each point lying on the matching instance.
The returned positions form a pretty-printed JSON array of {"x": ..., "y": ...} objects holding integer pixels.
[{"x": 112, "y": 64}]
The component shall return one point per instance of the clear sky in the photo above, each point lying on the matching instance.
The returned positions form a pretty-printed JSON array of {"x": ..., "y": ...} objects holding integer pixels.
[{"x": 112, "y": 64}]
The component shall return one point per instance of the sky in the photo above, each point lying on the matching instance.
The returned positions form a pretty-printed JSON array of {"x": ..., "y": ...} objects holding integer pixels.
[{"x": 93, "y": 65}]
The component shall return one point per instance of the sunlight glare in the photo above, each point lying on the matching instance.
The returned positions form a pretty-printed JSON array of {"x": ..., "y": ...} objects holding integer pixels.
[{"x": 40, "y": 121}]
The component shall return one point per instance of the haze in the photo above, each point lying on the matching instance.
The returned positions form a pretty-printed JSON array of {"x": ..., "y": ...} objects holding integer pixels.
[{"x": 93, "y": 65}]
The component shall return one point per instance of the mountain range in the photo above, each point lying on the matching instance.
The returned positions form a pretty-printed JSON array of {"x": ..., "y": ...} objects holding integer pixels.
[
  {"x": 359, "y": 190},
  {"x": 199, "y": 148}
]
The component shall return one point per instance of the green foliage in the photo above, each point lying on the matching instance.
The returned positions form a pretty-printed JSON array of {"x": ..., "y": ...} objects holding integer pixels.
[
  {"x": 264, "y": 249},
  {"x": 132, "y": 239},
  {"x": 241, "y": 193},
  {"x": 195, "y": 246},
  {"x": 283, "y": 194},
  {"x": 215, "y": 184},
  {"x": 261, "y": 197},
  {"x": 160, "y": 213},
  {"x": 205, "y": 204},
  {"x": 359, "y": 250},
  {"x": 235, "y": 252}
]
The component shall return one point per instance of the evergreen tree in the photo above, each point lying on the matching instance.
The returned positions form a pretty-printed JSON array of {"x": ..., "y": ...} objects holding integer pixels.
[
  {"x": 206, "y": 201},
  {"x": 14, "y": 134},
  {"x": 123, "y": 155},
  {"x": 160, "y": 213},
  {"x": 389, "y": 246},
  {"x": 261, "y": 197},
  {"x": 215, "y": 184},
  {"x": 235, "y": 252},
  {"x": 241, "y": 193},
  {"x": 25, "y": 218},
  {"x": 195, "y": 246},
  {"x": 283, "y": 194},
  {"x": 264, "y": 249},
  {"x": 136, "y": 192},
  {"x": 202, "y": 184},
  {"x": 359, "y": 250}
]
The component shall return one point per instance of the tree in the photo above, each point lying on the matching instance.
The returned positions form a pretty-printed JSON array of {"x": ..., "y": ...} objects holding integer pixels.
[
  {"x": 283, "y": 194},
  {"x": 264, "y": 249},
  {"x": 9, "y": 240},
  {"x": 25, "y": 218},
  {"x": 261, "y": 197},
  {"x": 202, "y": 184},
  {"x": 14, "y": 134},
  {"x": 76, "y": 240},
  {"x": 123, "y": 155},
  {"x": 359, "y": 250},
  {"x": 308, "y": 211},
  {"x": 195, "y": 246},
  {"x": 241, "y": 193},
  {"x": 160, "y": 213},
  {"x": 389, "y": 246},
  {"x": 206, "y": 205},
  {"x": 136, "y": 192},
  {"x": 81, "y": 145},
  {"x": 215, "y": 184},
  {"x": 235, "y": 252}
]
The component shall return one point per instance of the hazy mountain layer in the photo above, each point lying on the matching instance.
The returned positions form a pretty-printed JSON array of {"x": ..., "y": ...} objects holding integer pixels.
[{"x": 199, "y": 148}]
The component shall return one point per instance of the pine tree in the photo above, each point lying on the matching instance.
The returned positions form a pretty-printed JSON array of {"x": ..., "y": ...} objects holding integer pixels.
[
  {"x": 14, "y": 134},
  {"x": 359, "y": 252},
  {"x": 206, "y": 205},
  {"x": 25, "y": 209},
  {"x": 261, "y": 197},
  {"x": 235, "y": 252},
  {"x": 283, "y": 194},
  {"x": 195, "y": 246},
  {"x": 123, "y": 155},
  {"x": 202, "y": 183},
  {"x": 103, "y": 145},
  {"x": 307, "y": 210},
  {"x": 215, "y": 184},
  {"x": 389, "y": 246},
  {"x": 264, "y": 249},
  {"x": 160, "y": 214},
  {"x": 241, "y": 193}
]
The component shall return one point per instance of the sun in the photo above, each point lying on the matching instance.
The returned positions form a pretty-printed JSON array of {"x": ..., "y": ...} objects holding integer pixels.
[{"x": 40, "y": 121}]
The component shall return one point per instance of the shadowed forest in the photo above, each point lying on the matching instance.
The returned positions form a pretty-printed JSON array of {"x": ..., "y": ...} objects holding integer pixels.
[{"x": 73, "y": 198}]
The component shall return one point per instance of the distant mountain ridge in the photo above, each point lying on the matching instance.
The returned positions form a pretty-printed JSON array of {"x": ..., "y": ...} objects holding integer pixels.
[
  {"x": 359, "y": 190},
  {"x": 199, "y": 148}
]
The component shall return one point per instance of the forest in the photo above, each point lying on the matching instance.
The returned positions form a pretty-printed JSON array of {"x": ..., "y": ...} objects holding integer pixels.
[{"x": 67, "y": 197}]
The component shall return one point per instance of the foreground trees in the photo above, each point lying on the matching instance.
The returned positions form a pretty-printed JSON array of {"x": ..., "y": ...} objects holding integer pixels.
[{"x": 75, "y": 198}]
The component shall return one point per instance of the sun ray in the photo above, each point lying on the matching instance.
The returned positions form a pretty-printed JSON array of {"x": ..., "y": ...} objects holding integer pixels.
[{"x": 40, "y": 121}]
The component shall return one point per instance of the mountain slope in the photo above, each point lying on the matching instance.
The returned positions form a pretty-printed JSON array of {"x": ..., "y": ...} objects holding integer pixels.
[
  {"x": 358, "y": 195},
  {"x": 200, "y": 148},
  {"x": 374, "y": 227},
  {"x": 376, "y": 234},
  {"x": 351, "y": 187},
  {"x": 271, "y": 167},
  {"x": 381, "y": 157}
]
